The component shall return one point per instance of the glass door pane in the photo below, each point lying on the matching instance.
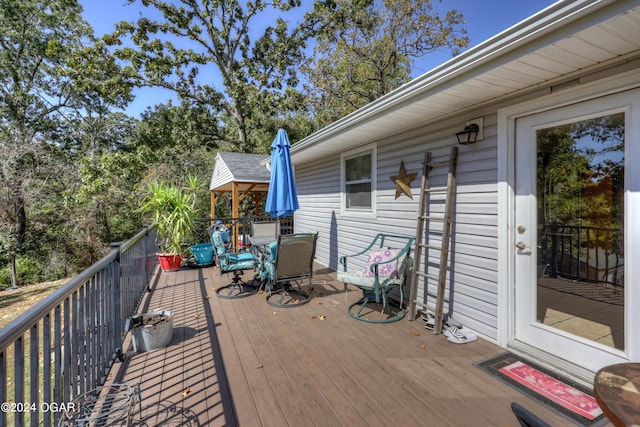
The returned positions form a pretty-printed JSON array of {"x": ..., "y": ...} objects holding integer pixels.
[{"x": 580, "y": 220}]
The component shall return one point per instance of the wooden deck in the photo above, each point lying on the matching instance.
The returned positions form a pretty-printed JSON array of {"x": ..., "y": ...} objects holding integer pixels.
[{"x": 244, "y": 363}]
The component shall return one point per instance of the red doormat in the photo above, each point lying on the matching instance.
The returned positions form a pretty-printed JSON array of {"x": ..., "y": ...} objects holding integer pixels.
[{"x": 564, "y": 396}]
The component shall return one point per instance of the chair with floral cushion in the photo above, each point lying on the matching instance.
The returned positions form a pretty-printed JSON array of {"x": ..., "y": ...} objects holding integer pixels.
[{"x": 387, "y": 264}]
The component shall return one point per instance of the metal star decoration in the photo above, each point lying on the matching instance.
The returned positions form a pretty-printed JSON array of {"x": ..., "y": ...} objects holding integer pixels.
[{"x": 403, "y": 181}]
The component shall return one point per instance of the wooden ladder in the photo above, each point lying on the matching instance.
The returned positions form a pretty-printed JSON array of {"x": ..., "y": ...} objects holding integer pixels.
[{"x": 424, "y": 231}]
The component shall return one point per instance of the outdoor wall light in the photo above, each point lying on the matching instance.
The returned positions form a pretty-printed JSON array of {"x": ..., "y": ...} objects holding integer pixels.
[{"x": 469, "y": 134}]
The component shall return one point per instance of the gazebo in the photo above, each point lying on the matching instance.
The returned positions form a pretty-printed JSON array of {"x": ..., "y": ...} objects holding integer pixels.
[{"x": 243, "y": 175}]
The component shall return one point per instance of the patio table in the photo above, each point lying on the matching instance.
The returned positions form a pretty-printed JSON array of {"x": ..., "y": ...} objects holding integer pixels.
[{"x": 617, "y": 391}]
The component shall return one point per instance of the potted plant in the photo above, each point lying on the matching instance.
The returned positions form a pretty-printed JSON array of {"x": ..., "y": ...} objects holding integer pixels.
[{"x": 173, "y": 212}]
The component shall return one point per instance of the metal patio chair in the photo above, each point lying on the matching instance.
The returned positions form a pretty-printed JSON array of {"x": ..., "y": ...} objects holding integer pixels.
[
  {"x": 287, "y": 263},
  {"x": 263, "y": 233},
  {"x": 235, "y": 263},
  {"x": 527, "y": 418},
  {"x": 265, "y": 229},
  {"x": 388, "y": 264}
]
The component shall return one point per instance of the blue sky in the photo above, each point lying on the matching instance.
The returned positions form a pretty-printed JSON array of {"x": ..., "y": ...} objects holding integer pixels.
[{"x": 484, "y": 19}]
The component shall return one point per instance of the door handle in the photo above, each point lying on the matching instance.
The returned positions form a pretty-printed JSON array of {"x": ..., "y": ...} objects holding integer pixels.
[{"x": 521, "y": 246}]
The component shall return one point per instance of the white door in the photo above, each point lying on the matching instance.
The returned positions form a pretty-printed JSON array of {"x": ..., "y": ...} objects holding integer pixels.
[{"x": 576, "y": 209}]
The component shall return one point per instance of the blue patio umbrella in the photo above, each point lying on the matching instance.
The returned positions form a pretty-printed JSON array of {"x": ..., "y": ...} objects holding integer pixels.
[{"x": 282, "y": 199}]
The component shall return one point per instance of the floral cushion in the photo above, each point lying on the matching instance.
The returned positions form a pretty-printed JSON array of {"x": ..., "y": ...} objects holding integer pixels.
[{"x": 379, "y": 256}]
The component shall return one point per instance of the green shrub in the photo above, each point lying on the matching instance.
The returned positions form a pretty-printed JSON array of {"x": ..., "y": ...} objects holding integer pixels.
[
  {"x": 5, "y": 278},
  {"x": 29, "y": 271}
]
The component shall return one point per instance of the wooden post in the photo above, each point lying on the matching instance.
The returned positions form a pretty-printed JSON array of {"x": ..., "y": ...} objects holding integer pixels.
[
  {"x": 235, "y": 211},
  {"x": 214, "y": 199}
]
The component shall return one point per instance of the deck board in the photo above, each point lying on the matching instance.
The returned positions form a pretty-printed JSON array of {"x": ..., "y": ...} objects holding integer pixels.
[{"x": 245, "y": 363}]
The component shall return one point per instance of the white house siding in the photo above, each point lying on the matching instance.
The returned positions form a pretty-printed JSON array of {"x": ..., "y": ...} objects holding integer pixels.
[
  {"x": 318, "y": 188},
  {"x": 474, "y": 240},
  {"x": 474, "y": 268},
  {"x": 221, "y": 174},
  {"x": 559, "y": 57}
]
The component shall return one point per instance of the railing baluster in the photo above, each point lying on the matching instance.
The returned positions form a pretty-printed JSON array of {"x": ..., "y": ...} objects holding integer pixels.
[
  {"x": 75, "y": 344},
  {"x": 93, "y": 324},
  {"x": 110, "y": 320},
  {"x": 82, "y": 336},
  {"x": 597, "y": 253},
  {"x": 577, "y": 247},
  {"x": 99, "y": 325},
  {"x": 147, "y": 264},
  {"x": 3, "y": 385},
  {"x": 106, "y": 317},
  {"x": 118, "y": 332},
  {"x": 66, "y": 352},
  {"x": 46, "y": 366},
  {"x": 57, "y": 358},
  {"x": 34, "y": 372},
  {"x": 18, "y": 371}
]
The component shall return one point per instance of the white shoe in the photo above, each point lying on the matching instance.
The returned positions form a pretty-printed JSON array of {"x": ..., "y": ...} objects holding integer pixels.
[
  {"x": 453, "y": 322},
  {"x": 459, "y": 335}
]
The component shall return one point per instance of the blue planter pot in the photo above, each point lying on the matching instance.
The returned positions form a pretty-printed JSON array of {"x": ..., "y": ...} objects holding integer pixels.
[{"x": 203, "y": 252}]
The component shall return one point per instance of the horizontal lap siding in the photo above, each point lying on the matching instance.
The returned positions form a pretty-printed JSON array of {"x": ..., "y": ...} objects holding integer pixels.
[
  {"x": 471, "y": 293},
  {"x": 318, "y": 188},
  {"x": 474, "y": 239}
]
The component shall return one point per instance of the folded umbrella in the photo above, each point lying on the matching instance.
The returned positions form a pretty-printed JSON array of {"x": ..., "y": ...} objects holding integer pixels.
[{"x": 282, "y": 199}]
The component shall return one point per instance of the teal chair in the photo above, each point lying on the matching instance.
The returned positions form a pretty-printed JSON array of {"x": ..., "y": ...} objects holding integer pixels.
[
  {"x": 235, "y": 263},
  {"x": 387, "y": 267}
]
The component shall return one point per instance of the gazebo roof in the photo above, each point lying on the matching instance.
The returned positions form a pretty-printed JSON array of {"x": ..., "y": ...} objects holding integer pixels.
[{"x": 245, "y": 169}]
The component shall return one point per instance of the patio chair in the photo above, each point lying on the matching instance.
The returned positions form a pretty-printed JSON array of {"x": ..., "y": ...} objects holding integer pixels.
[
  {"x": 263, "y": 233},
  {"x": 264, "y": 229},
  {"x": 235, "y": 263},
  {"x": 289, "y": 262},
  {"x": 527, "y": 418},
  {"x": 387, "y": 265}
]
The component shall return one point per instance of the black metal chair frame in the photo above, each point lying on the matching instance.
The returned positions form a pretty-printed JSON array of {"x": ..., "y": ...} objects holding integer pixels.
[{"x": 527, "y": 418}]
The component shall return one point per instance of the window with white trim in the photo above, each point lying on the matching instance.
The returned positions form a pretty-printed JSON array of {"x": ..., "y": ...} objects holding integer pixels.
[{"x": 358, "y": 180}]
